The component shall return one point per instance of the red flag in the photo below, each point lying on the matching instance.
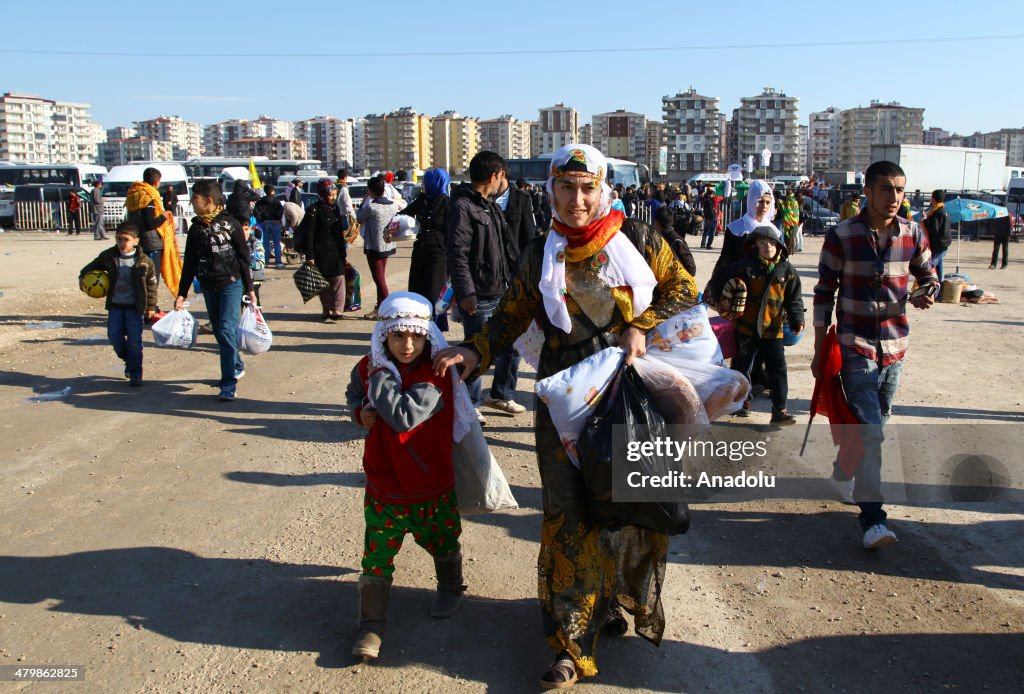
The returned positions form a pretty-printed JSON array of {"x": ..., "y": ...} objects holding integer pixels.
[{"x": 829, "y": 401}]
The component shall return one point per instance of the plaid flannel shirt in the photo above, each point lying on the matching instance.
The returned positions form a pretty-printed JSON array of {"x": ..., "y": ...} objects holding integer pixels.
[{"x": 873, "y": 289}]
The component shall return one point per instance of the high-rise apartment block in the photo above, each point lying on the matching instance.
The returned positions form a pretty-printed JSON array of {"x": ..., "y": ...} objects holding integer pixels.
[
  {"x": 216, "y": 136},
  {"x": 586, "y": 134},
  {"x": 401, "y": 139},
  {"x": 823, "y": 141},
  {"x": 34, "y": 129},
  {"x": 559, "y": 125},
  {"x": 270, "y": 147},
  {"x": 507, "y": 136},
  {"x": 328, "y": 139},
  {"x": 653, "y": 139},
  {"x": 877, "y": 124},
  {"x": 621, "y": 134},
  {"x": 456, "y": 140},
  {"x": 186, "y": 137},
  {"x": 692, "y": 133},
  {"x": 769, "y": 121},
  {"x": 1010, "y": 140},
  {"x": 125, "y": 150}
]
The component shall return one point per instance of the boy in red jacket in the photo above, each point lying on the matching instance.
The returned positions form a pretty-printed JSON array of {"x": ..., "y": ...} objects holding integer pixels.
[{"x": 409, "y": 413}]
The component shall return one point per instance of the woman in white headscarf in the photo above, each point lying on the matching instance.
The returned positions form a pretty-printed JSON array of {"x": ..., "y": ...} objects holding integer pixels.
[
  {"x": 760, "y": 212},
  {"x": 595, "y": 280}
]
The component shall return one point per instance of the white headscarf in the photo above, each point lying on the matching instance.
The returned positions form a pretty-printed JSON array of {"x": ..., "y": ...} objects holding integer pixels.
[
  {"x": 625, "y": 265},
  {"x": 410, "y": 312},
  {"x": 748, "y": 222}
]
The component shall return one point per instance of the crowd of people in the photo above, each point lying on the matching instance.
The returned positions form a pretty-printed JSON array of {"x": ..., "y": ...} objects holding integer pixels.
[{"x": 577, "y": 260}]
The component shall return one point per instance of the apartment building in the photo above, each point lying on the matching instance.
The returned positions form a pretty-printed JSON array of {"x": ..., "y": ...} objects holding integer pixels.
[
  {"x": 586, "y": 134},
  {"x": 125, "y": 150},
  {"x": 186, "y": 137},
  {"x": 507, "y": 136},
  {"x": 34, "y": 129},
  {"x": 1010, "y": 140},
  {"x": 328, "y": 139},
  {"x": 692, "y": 133},
  {"x": 216, "y": 136},
  {"x": 770, "y": 121},
  {"x": 455, "y": 141},
  {"x": 359, "y": 144},
  {"x": 823, "y": 141},
  {"x": 270, "y": 147},
  {"x": 558, "y": 125},
  {"x": 401, "y": 139},
  {"x": 620, "y": 134},
  {"x": 877, "y": 124},
  {"x": 653, "y": 139}
]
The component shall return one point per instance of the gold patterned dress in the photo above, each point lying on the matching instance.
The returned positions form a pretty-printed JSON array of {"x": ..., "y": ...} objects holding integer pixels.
[{"x": 582, "y": 567}]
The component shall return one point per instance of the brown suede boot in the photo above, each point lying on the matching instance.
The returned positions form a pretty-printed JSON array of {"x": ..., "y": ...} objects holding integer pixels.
[
  {"x": 373, "y": 615},
  {"x": 449, "y": 585}
]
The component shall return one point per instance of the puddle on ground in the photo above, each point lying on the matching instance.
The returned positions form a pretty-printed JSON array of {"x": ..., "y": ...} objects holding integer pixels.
[{"x": 43, "y": 326}]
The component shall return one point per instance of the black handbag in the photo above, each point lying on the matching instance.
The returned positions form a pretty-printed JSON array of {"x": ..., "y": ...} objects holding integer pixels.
[
  {"x": 627, "y": 408},
  {"x": 309, "y": 281}
]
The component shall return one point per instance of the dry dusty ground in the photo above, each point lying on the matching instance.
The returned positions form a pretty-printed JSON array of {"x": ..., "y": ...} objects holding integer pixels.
[{"x": 167, "y": 542}]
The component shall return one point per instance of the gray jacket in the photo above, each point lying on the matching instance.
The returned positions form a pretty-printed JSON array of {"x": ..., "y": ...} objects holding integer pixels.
[{"x": 374, "y": 217}]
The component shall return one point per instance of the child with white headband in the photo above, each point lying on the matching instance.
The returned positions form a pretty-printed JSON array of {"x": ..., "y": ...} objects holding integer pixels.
[{"x": 410, "y": 414}]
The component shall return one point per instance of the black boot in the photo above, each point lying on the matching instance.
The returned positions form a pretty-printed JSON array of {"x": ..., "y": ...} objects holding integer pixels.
[
  {"x": 373, "y": 615},
  {"x": 450, "y": 588}
]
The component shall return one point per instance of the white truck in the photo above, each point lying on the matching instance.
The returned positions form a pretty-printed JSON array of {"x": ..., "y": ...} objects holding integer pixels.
[{"x": 929, "y": 167}]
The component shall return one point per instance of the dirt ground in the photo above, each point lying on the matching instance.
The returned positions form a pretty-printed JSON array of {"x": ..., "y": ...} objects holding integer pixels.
[{"x": 167, "y": 542}]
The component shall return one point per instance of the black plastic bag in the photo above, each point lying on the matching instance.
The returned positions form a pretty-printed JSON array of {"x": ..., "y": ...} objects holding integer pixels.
[{"x": 627, "y": 408}]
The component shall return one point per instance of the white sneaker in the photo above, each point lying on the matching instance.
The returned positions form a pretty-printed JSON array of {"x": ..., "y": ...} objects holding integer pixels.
[
  {"x": 844, "y": 488},
  {"x": 480, "y": 416},
  {"x": 878, "y": 536},
  {"x": 510, "y": 406}
]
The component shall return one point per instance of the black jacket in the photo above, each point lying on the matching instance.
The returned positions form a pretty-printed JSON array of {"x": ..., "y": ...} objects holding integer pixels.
[
  {"x": 322, "y": 233},
  {"x": 522, "y": 227},
  {"x": 217, "y": 253},
  {"x": 681, "y": 250},
  {"x": 240, "y": 201},
  {"x": 144, "y": 280},
  {"x": 479, "y": 261},
  {"x": 147, "y": 221},
  {"x": 940, "y": 237},
  {"x": 268, "y": 208}
]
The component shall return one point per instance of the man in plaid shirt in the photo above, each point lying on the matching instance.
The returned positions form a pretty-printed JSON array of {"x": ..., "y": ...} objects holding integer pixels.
[{"x": 869, "y": 259}]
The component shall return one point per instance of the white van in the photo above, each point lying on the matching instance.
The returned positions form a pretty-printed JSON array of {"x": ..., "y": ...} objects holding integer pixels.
[
  {"x": 309, "y": 178},
  {"x": 121, "y": 178},
  {"x": 230, "y": 174}
]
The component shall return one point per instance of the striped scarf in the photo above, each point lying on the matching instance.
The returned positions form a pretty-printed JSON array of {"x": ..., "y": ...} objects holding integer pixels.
[{"x": 207, "y": 218}]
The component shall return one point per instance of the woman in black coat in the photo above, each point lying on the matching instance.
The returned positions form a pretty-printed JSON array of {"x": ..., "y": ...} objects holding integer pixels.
[
  {"x": 322, "y": 234},
  {"x": 428, "y": 270}
]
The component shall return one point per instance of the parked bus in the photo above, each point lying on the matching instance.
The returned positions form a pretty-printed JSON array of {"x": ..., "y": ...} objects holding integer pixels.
[
  {"x": 269, "y": 170},
  {"x": 536, "y": 170},
  {"x": 76, "y": 175}
]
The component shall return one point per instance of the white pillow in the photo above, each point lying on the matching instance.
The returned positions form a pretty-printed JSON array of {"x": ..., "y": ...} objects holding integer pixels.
[
  {"x": 572, "y": 395},
  {"x": 689, "y": 334}
]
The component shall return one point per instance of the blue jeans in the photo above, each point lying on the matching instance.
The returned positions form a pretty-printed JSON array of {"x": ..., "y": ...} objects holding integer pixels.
[
  {"x": 224, "y": 307},
  {"x": 506, "y": 364},
  {"x": 870, "y": 390},
  {"x": 710, "y": 226},
  {"x": 272, "y": 234},
  {"x": 124, "y": 330},
  {"x": 937, "y": 263}
]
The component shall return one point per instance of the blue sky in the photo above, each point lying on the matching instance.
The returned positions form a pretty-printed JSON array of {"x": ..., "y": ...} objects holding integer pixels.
[{"x": 361, "y": 57}]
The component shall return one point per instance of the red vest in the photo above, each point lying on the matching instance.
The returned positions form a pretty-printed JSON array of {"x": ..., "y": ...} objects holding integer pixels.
[{"x": 414, "y": 466}]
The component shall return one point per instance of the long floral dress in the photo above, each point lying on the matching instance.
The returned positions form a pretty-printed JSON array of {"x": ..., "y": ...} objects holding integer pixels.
[{"x": 582, "y": 566}]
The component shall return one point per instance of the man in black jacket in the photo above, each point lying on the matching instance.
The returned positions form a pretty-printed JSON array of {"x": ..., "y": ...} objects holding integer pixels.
[
  {"x": 268, "y": 212},
  {"x": 481, "y": 257},
  {"x": 936, "y": 225}
]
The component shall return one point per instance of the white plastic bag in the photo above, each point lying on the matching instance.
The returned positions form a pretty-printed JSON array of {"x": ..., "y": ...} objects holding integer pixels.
[
  {"x": 721, "y": 389},
  {"x": 479, "y": 482},
  {"x": 254, "y": 336},
  {"x": 176, "y": 329},
  {"x": 572, "y": 395}
]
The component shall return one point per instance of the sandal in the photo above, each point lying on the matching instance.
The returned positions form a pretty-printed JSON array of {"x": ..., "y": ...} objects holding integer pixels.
[
  {"x": 561, "y": 674},
  {"x": 616, "y": 624}
]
